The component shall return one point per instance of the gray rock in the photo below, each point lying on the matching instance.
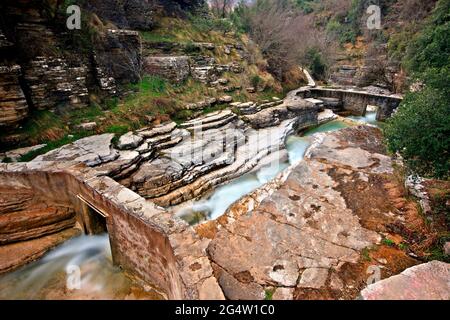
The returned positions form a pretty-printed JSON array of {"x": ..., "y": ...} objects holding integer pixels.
[
  {"x": 447, "y": 248},
  {"x": 313, "y": 278},
  {"x": 173, "y": 68},
  {"x": 15, "y": 155},
  {"x": 88, "y": 126},
  {"x": 92, "y": 150},
  {"x": 428, "y": 281},
  {"x": 129, "y": 141}
]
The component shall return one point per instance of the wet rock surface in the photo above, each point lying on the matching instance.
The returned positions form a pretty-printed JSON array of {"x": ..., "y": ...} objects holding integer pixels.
[{"x": 306, "y": 231}]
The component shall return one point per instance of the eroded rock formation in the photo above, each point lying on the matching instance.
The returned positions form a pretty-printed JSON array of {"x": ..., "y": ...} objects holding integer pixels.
[
  {"x": 169, "y": 165},
  {"x": 301, "y": 235},
  {"x": 30, "y": 226}
]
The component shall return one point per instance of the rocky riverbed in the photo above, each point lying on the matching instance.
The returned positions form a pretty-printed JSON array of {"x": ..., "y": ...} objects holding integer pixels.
[{"x": 321, "y": 229}]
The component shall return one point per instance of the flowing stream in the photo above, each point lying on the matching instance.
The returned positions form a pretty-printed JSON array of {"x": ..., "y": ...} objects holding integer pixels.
[
  {"x": 55, "y": 276},
  {"x": 90, "y": 256},
  {"x": 225, "y": 195}
]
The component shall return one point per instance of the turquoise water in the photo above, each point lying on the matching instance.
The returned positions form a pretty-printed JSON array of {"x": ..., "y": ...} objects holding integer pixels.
[
  {"x": 224, "y": 196},
  {"x": 370, "y": 118}
]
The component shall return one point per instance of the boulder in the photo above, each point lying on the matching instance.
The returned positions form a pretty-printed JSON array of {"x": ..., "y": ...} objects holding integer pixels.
[
  {"x": 92, "y": 151},
  {"x": 447, "y": 248},
  {"x": 129, "y": 141},
  {"x": 173, "y": 68},
  {"x": 428, "y": 281},
  {"x": 87, "y": 126},
  {"x": 225, "y": 99}
]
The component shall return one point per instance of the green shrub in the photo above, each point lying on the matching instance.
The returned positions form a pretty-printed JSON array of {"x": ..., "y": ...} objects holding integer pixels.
[
  {"x": 420, "y": 132},
  {"x": 190, "y": 47},
  {"x": 388, "y": 242},
  {"x": 316, "y": 63},
  {"x": 255, "y": 81}
]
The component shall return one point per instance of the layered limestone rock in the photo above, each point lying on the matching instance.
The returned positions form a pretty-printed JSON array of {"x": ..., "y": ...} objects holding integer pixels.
[
  {"x": 29, "y": 227},
  {"x": 220, "y": 148},
  {"x": 295, "y": 107},
  {"x": 169, "y": 165},
  {"x": 173, "y": 68},
  {"x": 13, "y": 105},
  {"x": 128, "y": 14},
  {"x": 52, "y": 82},
  {"x": 92, "y": 151},
  {"x": 301, "y": 235},
  {"x": 118, "y": 58}
]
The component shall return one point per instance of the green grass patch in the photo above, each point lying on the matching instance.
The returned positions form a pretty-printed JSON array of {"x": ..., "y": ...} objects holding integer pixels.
[
  {"x": 117, "y": 129},
  {"x": 268, "y": 294},
  {"x": 365, "y": 254},
  {"x": 90, "y": 113},
  {"x": 151, "y": 85},
  {"x": 148, "y": 36},
  {"x": 388, "y": 242}
]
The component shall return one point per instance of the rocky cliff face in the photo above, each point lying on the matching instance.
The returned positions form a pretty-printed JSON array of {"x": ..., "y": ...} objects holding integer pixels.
[
  {"x": 126, "y": 14},
  {"x": 45, "y": 66}
]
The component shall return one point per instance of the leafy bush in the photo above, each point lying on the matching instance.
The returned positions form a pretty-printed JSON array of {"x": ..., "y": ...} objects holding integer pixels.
[
  {"x": 305, "y": 5},
  {"x": 420, "y": 132},
  {"x": 255, "y": 81},
  {"x": 207, "y": 24},
  {"x": 316, "y": 63}
]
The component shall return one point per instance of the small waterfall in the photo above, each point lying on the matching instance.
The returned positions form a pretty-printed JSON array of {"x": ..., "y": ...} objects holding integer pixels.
[
  {"x": 224, "y": 196},
  {"x": 47, "y": 277}
]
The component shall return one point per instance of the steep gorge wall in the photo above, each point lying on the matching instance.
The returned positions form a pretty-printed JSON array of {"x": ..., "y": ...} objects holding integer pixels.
[{"x": 45, "y": 66}]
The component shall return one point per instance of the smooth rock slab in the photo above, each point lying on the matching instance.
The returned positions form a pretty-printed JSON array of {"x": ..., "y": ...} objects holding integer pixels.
[
  {"x": 92, "y": 151},
  {"x": 428, "y": 281},
  {"x": 129, "y": 141}
]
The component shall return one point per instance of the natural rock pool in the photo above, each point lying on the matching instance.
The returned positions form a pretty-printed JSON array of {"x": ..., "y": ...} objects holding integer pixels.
[
  {"x": 223, "y": 197},
  {"x": 48, "y": 277}
]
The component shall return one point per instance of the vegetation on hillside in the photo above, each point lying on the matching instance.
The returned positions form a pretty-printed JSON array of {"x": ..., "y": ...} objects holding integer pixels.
[{"x": 420, "y": 130}]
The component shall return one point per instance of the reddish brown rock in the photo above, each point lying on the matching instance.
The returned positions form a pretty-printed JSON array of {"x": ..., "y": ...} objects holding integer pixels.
[
  {"x": 34, "y": 223},
  {"x": 15, "y": 255}
]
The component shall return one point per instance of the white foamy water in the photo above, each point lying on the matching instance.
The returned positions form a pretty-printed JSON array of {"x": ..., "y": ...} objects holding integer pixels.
[
  {"x": 224, "y": 196},
  {"x": 47, "y": 277},
  {"x": 370, "y": 118}
]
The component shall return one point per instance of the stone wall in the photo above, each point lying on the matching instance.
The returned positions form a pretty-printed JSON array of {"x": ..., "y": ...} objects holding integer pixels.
[
  {"x": 356, "y": 101},
  {"x": 145, "y": 239}
]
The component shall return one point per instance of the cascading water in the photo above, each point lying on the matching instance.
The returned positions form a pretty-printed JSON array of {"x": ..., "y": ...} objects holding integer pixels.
[
  {"x": 47, "y": 278},
  {"x": 54, "y": 276}
]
